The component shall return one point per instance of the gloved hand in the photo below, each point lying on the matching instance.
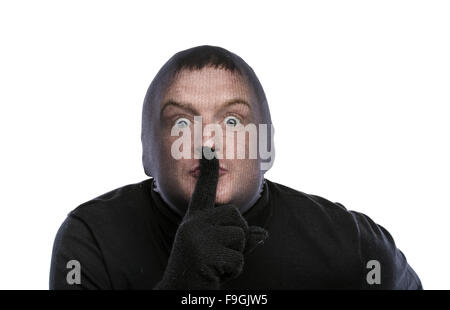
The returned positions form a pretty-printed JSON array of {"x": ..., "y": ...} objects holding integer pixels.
[{"x": 210, "y": 242}]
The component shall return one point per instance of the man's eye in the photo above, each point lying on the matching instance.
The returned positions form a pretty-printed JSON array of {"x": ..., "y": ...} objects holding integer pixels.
[
  {"x": 231, "y": 121},
  {"x": 182, "y": 122}
]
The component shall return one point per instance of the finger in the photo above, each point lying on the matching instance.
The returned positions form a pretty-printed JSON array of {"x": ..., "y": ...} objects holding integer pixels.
[
  {"x": 256, "y": 236},
  {"x": 204, "y": 194}
]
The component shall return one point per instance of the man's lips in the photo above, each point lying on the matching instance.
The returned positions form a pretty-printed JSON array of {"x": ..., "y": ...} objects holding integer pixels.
[{"x": 196, "y": 171}]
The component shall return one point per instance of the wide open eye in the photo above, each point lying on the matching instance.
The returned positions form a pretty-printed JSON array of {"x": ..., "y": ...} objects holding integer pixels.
[
  {"x": 231, "y": 121},
  {"x": 182, "y": 122}
]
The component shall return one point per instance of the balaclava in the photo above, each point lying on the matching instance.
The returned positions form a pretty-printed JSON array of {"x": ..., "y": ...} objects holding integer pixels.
[{"x": 198, "y": 58}]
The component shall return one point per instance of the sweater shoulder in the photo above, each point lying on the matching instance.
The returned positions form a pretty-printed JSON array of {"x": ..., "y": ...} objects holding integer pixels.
[
  {"x": 299, "y": 199},
  {"x": 118, "y": 202}
]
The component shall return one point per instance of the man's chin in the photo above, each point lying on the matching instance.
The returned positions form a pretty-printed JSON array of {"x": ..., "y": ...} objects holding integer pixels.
[{"x": 222, "y": 203}]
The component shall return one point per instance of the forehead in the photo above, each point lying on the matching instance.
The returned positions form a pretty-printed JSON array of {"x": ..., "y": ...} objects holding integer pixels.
[{"x": 208, "y": 86}]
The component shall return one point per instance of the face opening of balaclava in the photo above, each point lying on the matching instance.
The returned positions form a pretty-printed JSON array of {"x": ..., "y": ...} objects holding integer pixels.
[{"x": 199, "y": 90}]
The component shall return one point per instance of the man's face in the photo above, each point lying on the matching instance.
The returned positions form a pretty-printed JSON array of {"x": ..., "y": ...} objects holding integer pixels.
[{"x": 220, "y": 97}]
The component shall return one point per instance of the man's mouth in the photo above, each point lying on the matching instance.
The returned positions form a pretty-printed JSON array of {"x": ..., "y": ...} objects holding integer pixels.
[{"x": 196, "y": 171}]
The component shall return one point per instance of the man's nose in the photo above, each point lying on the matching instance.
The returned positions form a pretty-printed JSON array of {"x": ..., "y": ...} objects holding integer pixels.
[
  {"x": 207, "y": 151},
  {"x": 209, "y": 142},
  {"x": 210, "y": 138}
]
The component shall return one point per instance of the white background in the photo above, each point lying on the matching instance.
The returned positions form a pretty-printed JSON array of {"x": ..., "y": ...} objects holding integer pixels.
[{"x": 358, "y": 90}]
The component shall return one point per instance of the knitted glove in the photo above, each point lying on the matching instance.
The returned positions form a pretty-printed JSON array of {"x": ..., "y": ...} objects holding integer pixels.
[{"x": 210, "y": 242}]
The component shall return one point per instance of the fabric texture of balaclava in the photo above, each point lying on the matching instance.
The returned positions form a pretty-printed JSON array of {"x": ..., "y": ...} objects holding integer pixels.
[{"x": 195, "y": 59}]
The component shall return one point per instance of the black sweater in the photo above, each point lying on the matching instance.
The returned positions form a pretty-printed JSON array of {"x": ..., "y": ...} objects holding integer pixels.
[{"x": 123, "y": 239}]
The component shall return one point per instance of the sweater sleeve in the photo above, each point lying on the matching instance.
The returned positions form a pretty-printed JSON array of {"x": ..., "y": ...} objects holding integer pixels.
[
  {"x": 75, "y": 250},
  {"x": 379, "y": 254}
]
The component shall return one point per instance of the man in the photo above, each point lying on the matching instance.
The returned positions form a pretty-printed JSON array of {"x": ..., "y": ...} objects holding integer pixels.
[{"x": 208, "y": 219}]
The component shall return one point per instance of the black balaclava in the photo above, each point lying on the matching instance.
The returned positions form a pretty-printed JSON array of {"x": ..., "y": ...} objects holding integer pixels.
[{"x": 195, "y": 59}]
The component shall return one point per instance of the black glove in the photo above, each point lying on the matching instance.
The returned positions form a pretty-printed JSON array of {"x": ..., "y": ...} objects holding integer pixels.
[{"x": 210, "y": 242}]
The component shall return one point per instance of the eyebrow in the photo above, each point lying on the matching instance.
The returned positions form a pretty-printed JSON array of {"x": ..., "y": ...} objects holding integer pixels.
[{"x": 190, "y": 108}]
